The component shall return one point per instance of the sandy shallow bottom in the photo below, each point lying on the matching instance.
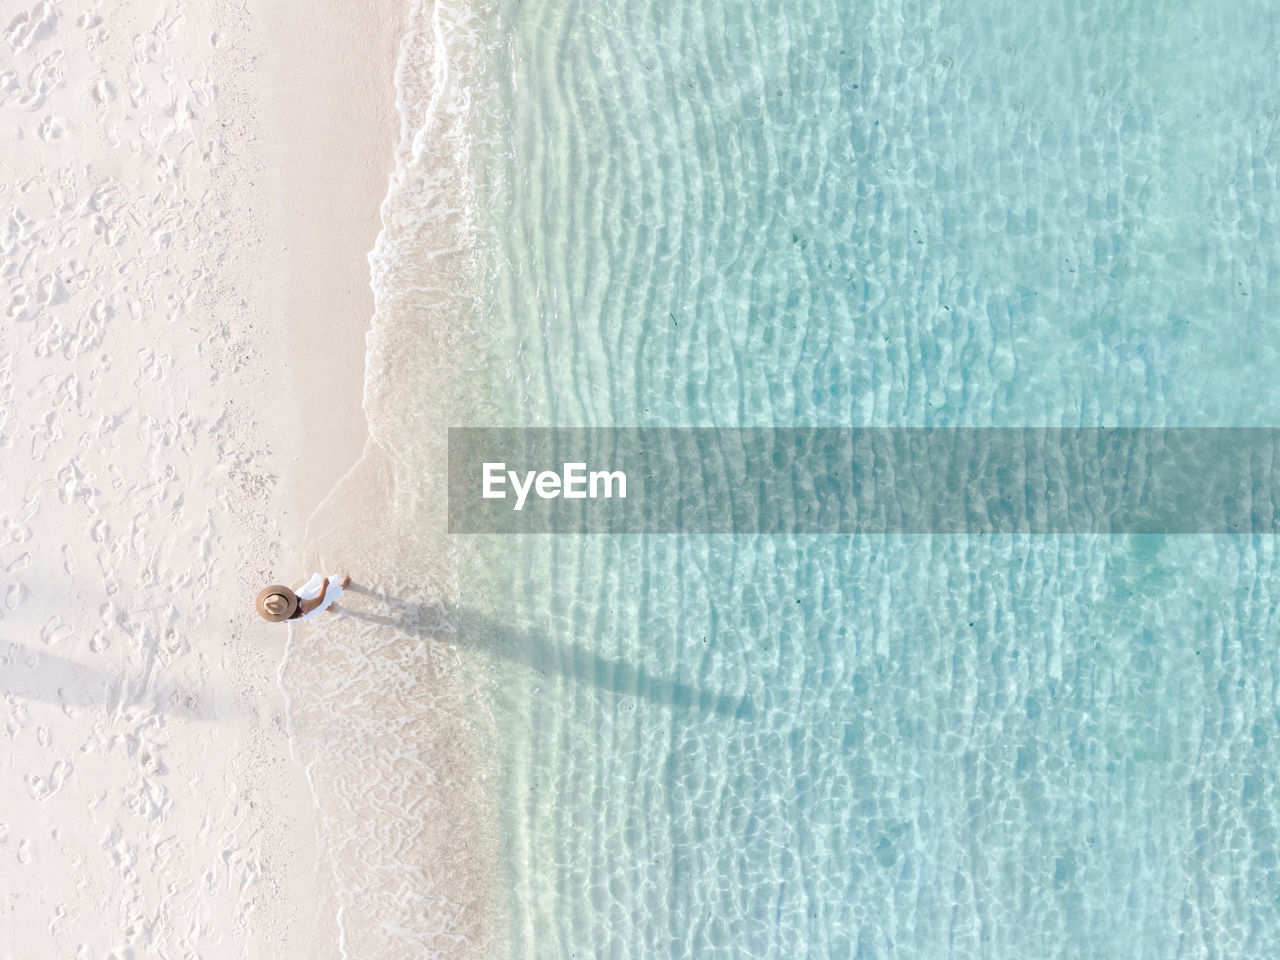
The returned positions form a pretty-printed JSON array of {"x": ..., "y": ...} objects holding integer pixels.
[{"x": 390, "y": 713}]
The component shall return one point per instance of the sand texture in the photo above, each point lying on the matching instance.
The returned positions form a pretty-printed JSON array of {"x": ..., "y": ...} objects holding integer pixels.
[{"x": 151, "y": 806}]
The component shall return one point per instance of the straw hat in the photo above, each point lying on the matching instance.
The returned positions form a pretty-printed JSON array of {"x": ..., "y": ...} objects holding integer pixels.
[{"x": 276, "y": 603}]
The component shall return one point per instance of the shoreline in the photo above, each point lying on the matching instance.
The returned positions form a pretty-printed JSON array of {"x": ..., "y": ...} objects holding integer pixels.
[
  {"x": 155, "y": 471},
  {"x": 329, "y": 126},
  {"x": 391, "y": 703},
  {"x": 332, "y": 127},
  {"x": 194, "y": 195}
]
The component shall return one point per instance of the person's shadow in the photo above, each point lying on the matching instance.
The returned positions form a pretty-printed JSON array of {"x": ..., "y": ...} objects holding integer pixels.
[
  {"x": 543, "y": 654},
  {"x": 41, "y": 676}
]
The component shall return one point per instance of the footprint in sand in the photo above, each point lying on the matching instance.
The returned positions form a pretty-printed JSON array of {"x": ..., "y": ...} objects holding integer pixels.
[
  {"x": 9, "y": 89},
  {"x": 42, "y": 81},
  {"x": 12, "y": 531},
  {"x": 42, "y": 788},
  {"x": 49, "y": 289},
  {"x": 15, "y": 595},
  {"x": 150, "y": 764},
  {"x": 102, "y": 91},
  {"x": 31, "y": 26},
  {"x": 54, "y": 631},
  {"x": 18, "y": 306},
  {"x": 53, "y": 129}
]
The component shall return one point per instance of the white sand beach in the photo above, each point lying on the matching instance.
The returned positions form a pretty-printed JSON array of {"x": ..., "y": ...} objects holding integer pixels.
[{"x": 189, "y": 191}]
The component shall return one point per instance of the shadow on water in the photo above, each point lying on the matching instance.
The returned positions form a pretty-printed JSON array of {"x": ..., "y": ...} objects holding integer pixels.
[{"x": 545, "y": 655}]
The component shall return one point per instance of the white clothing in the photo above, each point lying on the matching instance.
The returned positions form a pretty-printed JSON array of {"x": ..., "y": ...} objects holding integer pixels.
[{"x": 311, "y": 589}]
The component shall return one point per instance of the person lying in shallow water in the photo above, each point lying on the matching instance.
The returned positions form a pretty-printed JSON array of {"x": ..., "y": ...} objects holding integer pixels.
[{"x": 277, "y": 602}]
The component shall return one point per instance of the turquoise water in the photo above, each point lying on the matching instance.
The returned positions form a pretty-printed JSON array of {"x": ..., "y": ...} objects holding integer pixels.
[{"x": 802, "y": 214}]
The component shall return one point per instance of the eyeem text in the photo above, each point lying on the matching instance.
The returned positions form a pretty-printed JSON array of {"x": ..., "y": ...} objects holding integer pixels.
[{"x": 574, "y": 482}]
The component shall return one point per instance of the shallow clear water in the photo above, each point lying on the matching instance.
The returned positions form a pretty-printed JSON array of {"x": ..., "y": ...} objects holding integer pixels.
[{"x": 866, "y": 214}]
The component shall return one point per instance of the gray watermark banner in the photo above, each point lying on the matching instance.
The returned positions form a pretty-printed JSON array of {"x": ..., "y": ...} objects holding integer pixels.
[{"x": 890, "y": 480}]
